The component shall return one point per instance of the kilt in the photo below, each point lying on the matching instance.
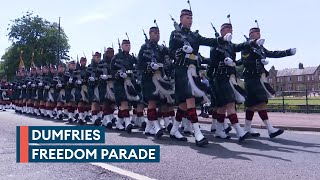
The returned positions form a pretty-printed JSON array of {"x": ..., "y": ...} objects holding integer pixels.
[
  {"x": 148, "y": 88},
  {"x": 183, "y": 89},
  {"x": 256, "y": 94},
  {"x": 223, "y": 91},
  {"x": 119, "y": 91},
  {"x": 23, "y": 93},
  {"x": 40, "y": 94}
]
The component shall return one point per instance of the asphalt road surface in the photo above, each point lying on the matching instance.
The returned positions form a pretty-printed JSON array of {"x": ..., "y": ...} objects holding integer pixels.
[{"x": 293, "y": 155}]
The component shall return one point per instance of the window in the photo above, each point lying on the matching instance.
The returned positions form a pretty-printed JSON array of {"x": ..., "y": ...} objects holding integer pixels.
[
  {"x": 270, "y": 80},
  {"x": 300, "y": 78},
  {"x": 308, "y": 77},
  {"x": 289, "y": 87},
  {"x": 281, "y": 79},
  {"x": 312, "y": 78},
  {"x": 289, "y": 79},
  {"x": 278, "y": 79}
]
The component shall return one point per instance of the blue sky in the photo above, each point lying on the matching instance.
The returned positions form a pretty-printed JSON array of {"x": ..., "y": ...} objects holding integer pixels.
[{"x": 91, "y": 25}]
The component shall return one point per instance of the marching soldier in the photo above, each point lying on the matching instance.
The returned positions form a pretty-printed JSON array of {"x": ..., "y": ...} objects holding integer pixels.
[
  {"x": 125, "y": 92},
  {"x": 70, "y": 79},
  {"x": 93, "y": 90},
  {"x": 82, "y": 98},
  {"x": 154, "y": 87},
  {"x": 108, "y": 104},
  {"x": 38, "y": 96},
  {"x": 60, "y": 90},
  {"x": 256, "y": 85},
  {"x": 227, "y": 91},
  {"x": 184, "y": 47}
]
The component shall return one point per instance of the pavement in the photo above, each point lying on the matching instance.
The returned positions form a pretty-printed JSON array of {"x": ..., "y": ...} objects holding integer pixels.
[
  {"x": 294, "y": 155},
  {"x": 286, "y": 121}
]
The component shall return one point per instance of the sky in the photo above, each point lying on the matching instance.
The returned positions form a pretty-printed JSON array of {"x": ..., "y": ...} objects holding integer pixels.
[{"x": 95, "y": 24}]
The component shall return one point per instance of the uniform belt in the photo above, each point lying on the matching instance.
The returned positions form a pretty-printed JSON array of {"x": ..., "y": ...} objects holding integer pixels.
[{"x": 191, "y": 56}]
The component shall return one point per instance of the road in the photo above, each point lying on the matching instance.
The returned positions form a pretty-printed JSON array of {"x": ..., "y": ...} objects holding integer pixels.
[{"x": 294, "y": 155}]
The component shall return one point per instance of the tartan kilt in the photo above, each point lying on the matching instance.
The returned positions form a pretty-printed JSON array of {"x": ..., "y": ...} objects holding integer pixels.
[
  {"x": 183, "y": 89},
  {"x": 24, "y": 94},
  {"x": 256, "y": 94},
  {"x": 148, "y": 88},
  {"x": 119, "y": 91},
  {"x": 223, "y": 92},
  {"x": 40, "y": 94}
]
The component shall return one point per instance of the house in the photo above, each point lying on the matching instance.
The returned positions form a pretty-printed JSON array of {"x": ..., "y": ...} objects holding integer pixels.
[{"x": 295, "y": 79}]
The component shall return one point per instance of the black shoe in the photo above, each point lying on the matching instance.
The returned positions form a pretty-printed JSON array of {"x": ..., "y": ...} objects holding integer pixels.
[
  {"x": 76, "y": 116},
  {"x": 246, "y": 136},
  {"x": 70, "y": 120},
  {"x": 81, "y": 122},
  {"x": 143, "y": 125},
  {"x": 275, "y": 134},
  {"x": 60, "y": 117},
  {"x": 255, "y": 134},
  {"x": 228, "y": 137},
  {"x": 109, "y": 125},
  {"x": 179, "y": 139},
  {"x": 129, "y": 128},
  {"x": 202, "y": 142},
  {"x": 114, "y": 120},
  {"x": 158, "y": 134},
  {"x": 97, "y": 122},
  {"x": 87, "y": 118},
  {"x": 169, "y": 127},
  {"x": 228, "y": 130},
  {"x": 213, "y": 130}
]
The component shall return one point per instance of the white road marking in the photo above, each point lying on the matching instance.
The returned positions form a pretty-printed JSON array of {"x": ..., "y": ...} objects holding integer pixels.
[{"x": 122, "y": 171}]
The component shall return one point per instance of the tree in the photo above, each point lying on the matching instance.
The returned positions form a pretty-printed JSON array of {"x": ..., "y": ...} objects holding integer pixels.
[{"x": 31, "y": 33}]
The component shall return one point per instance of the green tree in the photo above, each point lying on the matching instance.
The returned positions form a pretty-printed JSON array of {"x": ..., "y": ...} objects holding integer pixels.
[{"x": 31, "y": 33}]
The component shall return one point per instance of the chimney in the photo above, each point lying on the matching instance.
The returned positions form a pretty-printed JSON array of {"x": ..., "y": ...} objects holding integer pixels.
[
  {"x": 301, "y": 66},
  {"x": 273, "y": 68}
]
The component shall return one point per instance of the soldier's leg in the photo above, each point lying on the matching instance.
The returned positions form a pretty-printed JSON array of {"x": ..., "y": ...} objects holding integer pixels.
[
  {"x": 175, "y": 133},
  {"x": 153, "y": 125},
  {"x": 232, "y": 116},
  {"x": 166, "y": 116},
  {"x": 140, "y": 119},
  {"x": 262, "y": 111},
  {"x": 107, "y": 115},
  {"x": 124, "y": 116},
  {"x": 59, "y": 110},
  {"x": 95, "y": 109},
  {"x": 249, "y": 116},
  {"x": 193, "y": 117}
]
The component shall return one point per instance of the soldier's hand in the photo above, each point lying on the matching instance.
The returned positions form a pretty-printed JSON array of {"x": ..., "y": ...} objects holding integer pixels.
[
  {"x": 91, "y": 78},
  {"x": 264, "y": 61},
  {"x": 70, "y": 80},
  {"x": 123, "y": 75},
  {"x": 260, "y": 42},
  {"x": 103, "y": 77},
  {"x": 154, "y": 66},
  {"x": 79, "y": 82},
  {"x": 228, "y": 61},
  {"x": 187, "y": 49},
  {"x": 227, "y": 37}
]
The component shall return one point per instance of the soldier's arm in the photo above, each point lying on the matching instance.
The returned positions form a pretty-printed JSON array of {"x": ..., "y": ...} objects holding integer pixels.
[
  {"x": 277, "y": 54},
  {"x": 242, "y": 46},
  {"x": 213, "y": 42},
  {"x": 174, "y": 45},
  {"x": 142, "y": 63}
]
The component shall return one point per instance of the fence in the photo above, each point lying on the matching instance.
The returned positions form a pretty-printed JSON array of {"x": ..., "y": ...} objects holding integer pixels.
[{"x": 295, "y": 101}]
